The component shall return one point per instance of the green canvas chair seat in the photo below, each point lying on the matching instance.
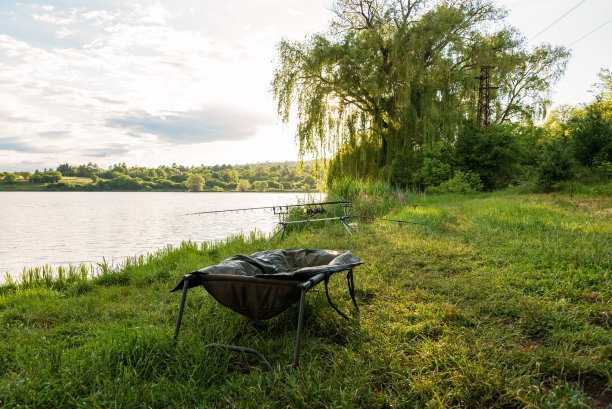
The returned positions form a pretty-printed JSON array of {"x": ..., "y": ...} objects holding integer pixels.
[{"x": 264, "y": 284}]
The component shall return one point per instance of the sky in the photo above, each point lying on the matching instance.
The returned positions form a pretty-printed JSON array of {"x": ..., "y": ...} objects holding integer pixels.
[{"x": 156, "y": 82}]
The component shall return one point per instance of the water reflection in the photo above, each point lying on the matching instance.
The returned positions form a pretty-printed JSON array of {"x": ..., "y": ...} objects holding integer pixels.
[{"x": 61, "y": 228}]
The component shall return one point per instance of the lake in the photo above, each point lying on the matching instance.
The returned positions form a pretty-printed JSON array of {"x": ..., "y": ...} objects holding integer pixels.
[{"x": 61, "y": 228}]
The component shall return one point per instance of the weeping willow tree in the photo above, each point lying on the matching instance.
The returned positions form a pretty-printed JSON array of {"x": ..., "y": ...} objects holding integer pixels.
[{"x": 393, "y": 76}]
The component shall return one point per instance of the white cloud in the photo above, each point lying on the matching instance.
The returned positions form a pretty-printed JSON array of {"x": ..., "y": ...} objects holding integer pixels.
[
  {"x": 99, "y": 17},
  {"x": 128, "y": 83},
  {"x": 49, "y": 18},
  {"x": 64, "y": 32}
]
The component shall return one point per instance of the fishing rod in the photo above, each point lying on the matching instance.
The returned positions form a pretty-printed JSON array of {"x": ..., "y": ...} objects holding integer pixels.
[
  {"x": 311, "y": 209},
  {"x": 275, "y": 208},
  {"x": 386, "y": 220},
  {"x": 342, "y": 219}
]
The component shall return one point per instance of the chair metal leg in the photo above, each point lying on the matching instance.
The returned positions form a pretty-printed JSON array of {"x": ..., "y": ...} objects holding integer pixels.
[
  {"x": 186, "y": 279},
  {"x": 298, "y": 339},
  {"x": 255, "y": 352},
  {"x": 351, "y": 287}
]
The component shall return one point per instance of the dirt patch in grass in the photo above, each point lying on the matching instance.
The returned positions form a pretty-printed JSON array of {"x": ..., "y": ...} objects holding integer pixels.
[{"x": 599, "y": 393}]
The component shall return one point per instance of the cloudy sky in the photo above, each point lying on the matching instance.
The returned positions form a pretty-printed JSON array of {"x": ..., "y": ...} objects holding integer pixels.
[{"x": 151, "y": 82}]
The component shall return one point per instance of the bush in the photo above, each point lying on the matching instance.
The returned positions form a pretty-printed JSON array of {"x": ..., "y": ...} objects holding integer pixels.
[
  {"x": 51, "y": 177},
  {"x": 461, "y": 182},
  {"x": 604, "y": 168},
  {"x": 195, "y": 183},
  {"x": 46, "y": 177},
  {"x": 10, "y": 178},
  {"x": 437, "y": 164},
  {"x": 310, "y": 181},
  {"x": 166, "y": 184},
  {"x": 262, "y": 186},
  {"x": 243, "y": 185},
  {"x": 494, "y": 155},
  {"x": 402, "y": 170},
  {"x": 124, "y": 182},
  {"x": 591, "y": 132},
  {"x": 61, "y": 186},
  {"x": 556, "y": 165}
]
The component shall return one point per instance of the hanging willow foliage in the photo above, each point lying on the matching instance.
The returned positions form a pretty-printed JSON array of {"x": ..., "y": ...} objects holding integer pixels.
[{"x": 396, "y": 75}]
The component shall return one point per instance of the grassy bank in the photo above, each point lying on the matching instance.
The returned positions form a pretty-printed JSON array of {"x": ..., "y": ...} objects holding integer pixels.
[{"x": 496, "y": 300}]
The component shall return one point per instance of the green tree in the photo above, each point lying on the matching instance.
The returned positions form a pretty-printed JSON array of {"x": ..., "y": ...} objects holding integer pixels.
[
  {"x": 494, "y": 155},
  {"x": 10, "y": 178},
  {"x": 591, "y": 134},
  {"x": 310, "y": 181},
  {"x": 52, "y": 176},
  {"x": 87, "y": 170},
  {"x": 195, "y": 183},
  {"x": 556, "y": 164},
  {"x": 591, "y": 128},
  {"x": 438, "y": 163},
  {"x": 400, "y": 75},
  {"x": 65, "y": 169},
  {"x": 260, "y": 185},
  {"x": 125, "y": 182},
  {"x": 243, "y": 185}
]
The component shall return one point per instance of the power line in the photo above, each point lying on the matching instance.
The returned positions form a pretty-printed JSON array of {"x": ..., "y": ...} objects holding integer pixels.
[
  {"x": 557, "y": 20},
  {"x": 590, "y": 32}
]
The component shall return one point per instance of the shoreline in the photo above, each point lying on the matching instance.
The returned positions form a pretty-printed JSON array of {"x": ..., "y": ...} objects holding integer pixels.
[{"x": 44, "y": 189}]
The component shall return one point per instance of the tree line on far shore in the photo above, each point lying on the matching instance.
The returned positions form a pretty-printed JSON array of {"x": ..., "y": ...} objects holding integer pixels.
[{"x": 261, "y": 177}]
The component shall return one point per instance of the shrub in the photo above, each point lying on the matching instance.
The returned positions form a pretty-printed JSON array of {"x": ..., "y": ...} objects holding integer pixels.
[
  {"x": 243, "y": 185},
  {"x": 262, "y": 186},
  {"x": 494, "y": 155},
  {"x": 10, "y": 178},
  {"x": 592, "y": 134},
  {"x": 461, "y": 182},
  {"x": 402, "y": 170},
  {"x": 556, "y": 165},
  {"x": 437, "y": 164},
  {"x": 195, "y": 183}
]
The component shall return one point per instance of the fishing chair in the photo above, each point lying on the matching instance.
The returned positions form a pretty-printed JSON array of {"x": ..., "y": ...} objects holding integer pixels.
[{"x": 264, "y": 284}]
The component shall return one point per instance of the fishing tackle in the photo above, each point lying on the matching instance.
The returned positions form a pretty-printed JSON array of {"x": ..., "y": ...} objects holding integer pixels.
[{"x": 310, "y": 209}]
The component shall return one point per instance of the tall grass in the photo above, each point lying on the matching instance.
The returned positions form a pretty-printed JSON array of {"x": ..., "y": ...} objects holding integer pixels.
[
  {"x": 141, "y": 268},
  {"x": 372, "y": 197}
]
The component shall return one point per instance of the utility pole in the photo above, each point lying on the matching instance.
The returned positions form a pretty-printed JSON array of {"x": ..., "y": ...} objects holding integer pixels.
[{"x": 484, "y": 98}]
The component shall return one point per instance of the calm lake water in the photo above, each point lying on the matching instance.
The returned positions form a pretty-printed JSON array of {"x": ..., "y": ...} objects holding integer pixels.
[{"x": 61, "y": 228}]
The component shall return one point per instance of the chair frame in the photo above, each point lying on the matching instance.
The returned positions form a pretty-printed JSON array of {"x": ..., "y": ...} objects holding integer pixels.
[{"x": 304, "y": 287}]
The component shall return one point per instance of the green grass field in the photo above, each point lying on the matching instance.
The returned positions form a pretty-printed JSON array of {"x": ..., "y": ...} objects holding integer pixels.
[
  {"x": 496, "y": 300},
  {"x": 76, "y": 180},
  {"x": 27, "y": 186}
]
